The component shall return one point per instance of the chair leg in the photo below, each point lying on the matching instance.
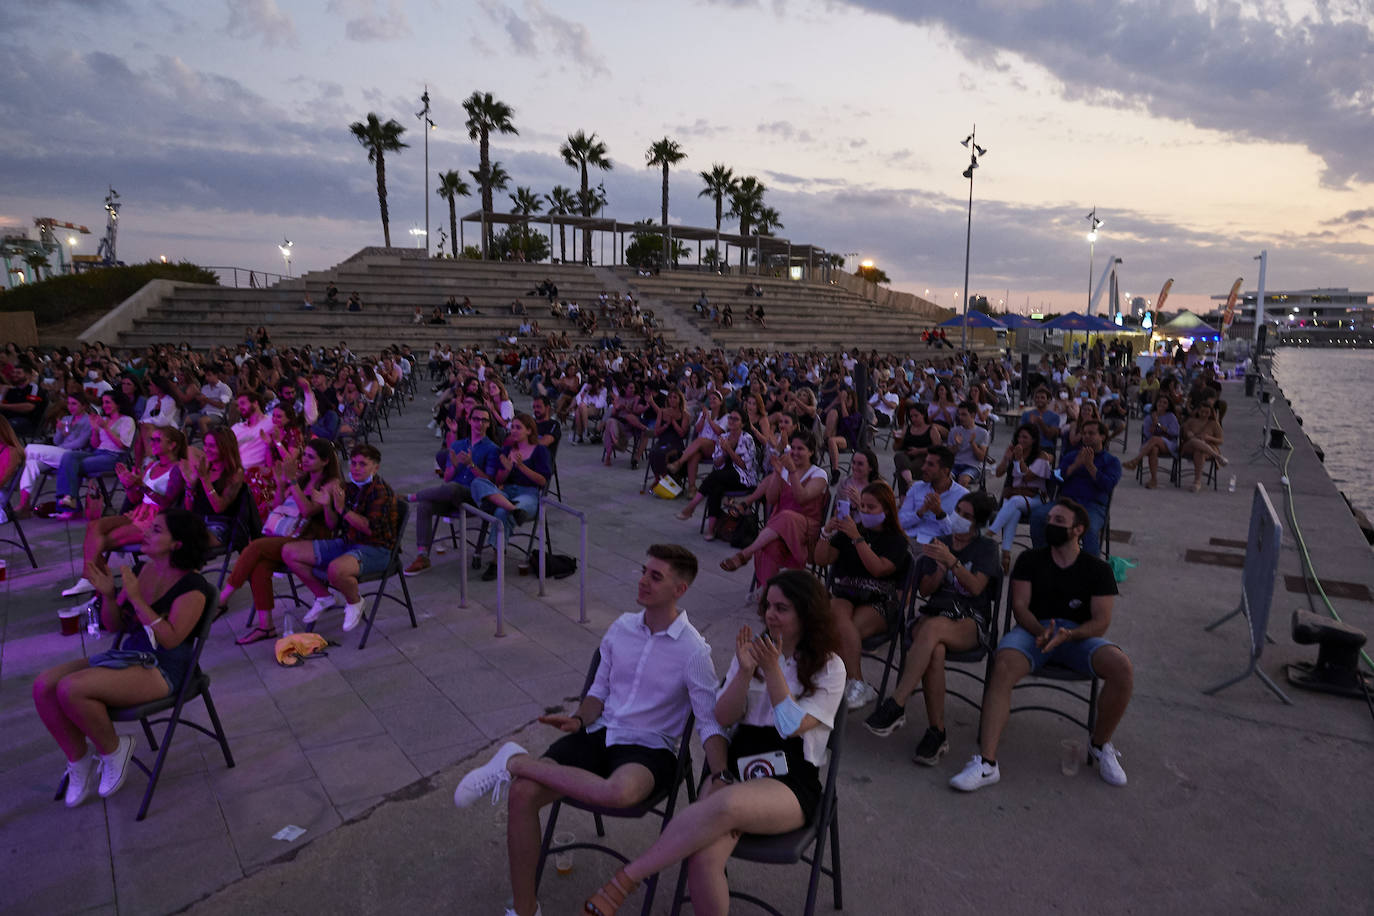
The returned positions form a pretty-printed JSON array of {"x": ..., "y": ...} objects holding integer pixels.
[
  {"x": 220, "y": 736},
  {"x": 817, "y": 864},
  {"x": 372, "y": 615},
  {"x": 410, "y": 605},
  {"x": 23, "y": 541},
  {"x": 836, "y": 879},
  {"x": 148, "y": 734},
  {"x": 156, "y": 772}
]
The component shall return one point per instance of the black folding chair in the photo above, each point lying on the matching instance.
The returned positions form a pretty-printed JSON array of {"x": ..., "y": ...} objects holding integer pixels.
[
  {"x": 662, "y": 803},
  {"x": 805, "y": 844},
  {"x": 393, "y": 570},
  {"x": 196, "y": 683},
  {"x": 9, "y": 515},
  {"x": 1055, "y": 678}
]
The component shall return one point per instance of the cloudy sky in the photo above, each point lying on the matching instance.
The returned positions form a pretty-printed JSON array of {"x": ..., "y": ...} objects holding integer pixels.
[{"x": 1201, "y": 131}]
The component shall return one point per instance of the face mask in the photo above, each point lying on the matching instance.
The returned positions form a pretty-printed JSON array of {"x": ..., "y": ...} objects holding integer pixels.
[
  {"x": 1056, "y": 535},
  {"x": 959, "y": 525},
  {"x": 364, "y": 482},
  {"x": 872, "y": 521}
]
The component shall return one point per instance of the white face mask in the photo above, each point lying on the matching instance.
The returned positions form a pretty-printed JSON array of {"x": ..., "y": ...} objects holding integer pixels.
[
  {"x": 871, "y": 521},
  {"x": 362, "y": 483},
  {"x": 959, "y": 525}
]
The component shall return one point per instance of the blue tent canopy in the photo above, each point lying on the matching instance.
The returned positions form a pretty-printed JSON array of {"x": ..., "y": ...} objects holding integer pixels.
[
  {"x": 975, "y": 320},
  {"x": 1021, "y": 321},
  {"x": 1073, "y": 321}
]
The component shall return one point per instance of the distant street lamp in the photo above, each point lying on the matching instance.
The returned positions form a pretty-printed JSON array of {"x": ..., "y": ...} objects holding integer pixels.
[
  {"x": 971, "y": 143},
  {"x": 427, "y": 126},
  {"x": 285, "y": 249},
  {"x": 1096, "y": 224},
  {"x": 420, "y": 236}
]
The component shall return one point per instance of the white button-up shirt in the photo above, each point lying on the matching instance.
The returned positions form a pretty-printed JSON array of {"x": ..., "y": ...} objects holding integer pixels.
[
  {"x": 924, "y": 527},
  {"x": 647, "y": 682}
]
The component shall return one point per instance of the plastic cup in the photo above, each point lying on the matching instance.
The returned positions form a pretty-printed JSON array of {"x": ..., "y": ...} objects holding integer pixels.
[
  {"x": 70, "y": 618},
  {"x": 563, "y": 861},
  {"x": 4, "y": 570},
  {"x": 1070, "y": 756}
]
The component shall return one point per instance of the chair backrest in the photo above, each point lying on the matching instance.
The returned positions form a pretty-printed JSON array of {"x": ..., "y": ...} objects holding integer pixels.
[{"x": 402, "y": 517}]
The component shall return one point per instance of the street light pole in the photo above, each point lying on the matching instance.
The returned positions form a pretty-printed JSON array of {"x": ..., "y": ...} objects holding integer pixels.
[
  {"x": 1094, "y": 223},
  {"x": 974, "y": 152},
  {"x": 426, "y": 125}
]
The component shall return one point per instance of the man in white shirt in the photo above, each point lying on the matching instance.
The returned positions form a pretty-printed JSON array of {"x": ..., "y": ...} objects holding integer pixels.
[
  {"x": 214, "y": 397},
  {"x": 621, "y": 744},
  {"x": 928, "y": 510}
]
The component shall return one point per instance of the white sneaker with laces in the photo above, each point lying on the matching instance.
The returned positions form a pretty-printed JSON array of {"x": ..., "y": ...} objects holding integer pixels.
[
  {"x": 82, "y": 586},
  {"x": 859, "y": 694},
  {"x": 491, "y": 776},
  {"x": 1108, "y": 766},
  {"x": 81, "y": 780},
  {"x": 353, "y": 615},
  {"x": 114, "y": 767},
  {"x": 976, "y": 775},
  {"x": 319, "y": 607}
]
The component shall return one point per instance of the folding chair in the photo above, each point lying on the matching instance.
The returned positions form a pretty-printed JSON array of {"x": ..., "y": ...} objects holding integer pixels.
[
  {"x": 1055, "y": 677},
  {"x": 894, "y": 635},
  {"x": 662, "y": 803},
  {"x": 9, "y": 515},
  {"x": 794, "y": 846},
  {"x": 196, "y": 683},
  {"x": 393, "y": 569}
]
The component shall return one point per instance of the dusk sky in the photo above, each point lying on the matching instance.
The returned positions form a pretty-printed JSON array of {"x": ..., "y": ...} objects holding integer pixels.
[{"x": 1202, "y": 132}]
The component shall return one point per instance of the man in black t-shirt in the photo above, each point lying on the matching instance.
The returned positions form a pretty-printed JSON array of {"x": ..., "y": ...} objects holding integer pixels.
[{"x": 1062, "y": 598}]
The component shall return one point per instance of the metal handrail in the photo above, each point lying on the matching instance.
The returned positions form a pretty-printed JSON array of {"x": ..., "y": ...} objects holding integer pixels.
[
  {"x": 582, "y": 551},
  {"x": 463, "y": 511},
  {"x": 249, "y": 274}
]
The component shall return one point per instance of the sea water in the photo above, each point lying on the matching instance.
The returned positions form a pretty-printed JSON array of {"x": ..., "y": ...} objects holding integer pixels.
[{"x": 1333, "y": 391}]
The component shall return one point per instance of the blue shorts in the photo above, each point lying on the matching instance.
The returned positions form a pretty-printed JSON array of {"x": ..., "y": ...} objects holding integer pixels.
[
  {"x": 372, "y": 560},
  {"x": 1076, "y": 654}
]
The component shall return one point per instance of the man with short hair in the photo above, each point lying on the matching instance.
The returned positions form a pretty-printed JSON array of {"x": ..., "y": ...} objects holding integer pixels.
[
  {"x": 369, "y": 517},
  {"x": 621, "y": 744},
  {"x": 210, "y": 403},
  {"x": 1045, "y": 421},
  {"x": 1090, "y": 473},
  {"x": 24, "y": 402},
  {"x": 927, "y": 510},
  {"x": 969, "y": 443},
  {"x": 475, "y": 455},
  {"x": 1062, "y": 597}
]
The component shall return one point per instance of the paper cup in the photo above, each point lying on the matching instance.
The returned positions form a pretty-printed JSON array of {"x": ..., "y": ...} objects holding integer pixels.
[{"x": 70, "y": 618}]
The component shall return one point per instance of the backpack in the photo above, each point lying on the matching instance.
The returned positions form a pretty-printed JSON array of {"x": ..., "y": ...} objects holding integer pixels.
[{"x": 556, "y": 565}]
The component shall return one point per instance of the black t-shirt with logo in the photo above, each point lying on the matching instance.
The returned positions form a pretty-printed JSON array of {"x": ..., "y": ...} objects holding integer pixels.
[{"x": 1066, "y": 593}]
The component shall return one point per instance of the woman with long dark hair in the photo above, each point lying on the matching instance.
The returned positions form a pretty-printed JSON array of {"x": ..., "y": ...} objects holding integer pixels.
[
  {"x": 155, "y": 613},
  {"x": 781, "y": 694}
]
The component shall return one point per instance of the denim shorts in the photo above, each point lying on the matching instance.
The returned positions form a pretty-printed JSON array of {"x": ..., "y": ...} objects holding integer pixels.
[
  {"x": 1075, "y": 654},
  {"x": 372, "y": 560}
]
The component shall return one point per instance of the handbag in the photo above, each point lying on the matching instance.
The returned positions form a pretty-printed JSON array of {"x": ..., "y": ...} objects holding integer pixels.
[
  {"x": 285, "y": 521},
  {"x": 667, "y": 488}
]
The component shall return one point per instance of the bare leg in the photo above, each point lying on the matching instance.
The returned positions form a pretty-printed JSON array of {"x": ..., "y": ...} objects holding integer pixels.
[
  {"x": 343, "y": 576},
  {"x": 934, "y": 689},
  {"x": 1008, "y": 667},
  {"x": 851, "y": 643},
  {"x": 931, "y": 634},
  {"x": 86, "y": 694},
  {"x": 299, "y": 557},
  {"x": 1118, "y": 682},
  {"x": 68, "y": 736}
]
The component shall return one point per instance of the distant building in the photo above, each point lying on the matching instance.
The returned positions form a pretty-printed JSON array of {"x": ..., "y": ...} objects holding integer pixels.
[{"x": 1334, "y": 308}]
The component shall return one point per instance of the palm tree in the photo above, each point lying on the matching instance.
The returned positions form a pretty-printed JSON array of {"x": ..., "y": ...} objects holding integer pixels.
[
  {"x": 767, "y": 221},
  {"x": 526, "y": 202},
  {"x": 664, "y": 153},
  {"x": 489, "y": 178},
  {"x": 581, "y": 151},
  {"x": 379, "y": 139},
  {"x": 745, "y": 203},
  {"x": 486, "y": 114},
  {"x": 38, "y": 262},
  {"x": 451, "y": 187},
  {"x": 561, "y": 203},
  {"x": 720, "y": 184}
]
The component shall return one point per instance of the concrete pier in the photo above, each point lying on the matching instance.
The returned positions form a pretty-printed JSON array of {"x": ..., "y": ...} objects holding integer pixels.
[{"x": 1236, "y": 803}]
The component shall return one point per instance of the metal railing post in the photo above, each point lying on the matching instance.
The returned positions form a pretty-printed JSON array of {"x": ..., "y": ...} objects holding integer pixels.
[
  {"x": 463, "y": 511},
  {"x": 582, "y": 552}
]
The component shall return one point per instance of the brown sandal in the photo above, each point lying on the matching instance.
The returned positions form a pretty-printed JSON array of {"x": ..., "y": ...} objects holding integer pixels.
[
  {"x": 611, "y": 896},
  {"x": 734, "y": 562}
]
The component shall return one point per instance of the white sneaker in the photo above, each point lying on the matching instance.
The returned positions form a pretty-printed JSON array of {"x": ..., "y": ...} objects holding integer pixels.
[
  {"x": 538, "y": 911},
  {"x": 1108, "y": 766},
  {"x": 319, "y": 607},
  {"x": 82, "y": 586},
  {"x": 976, "y": 775},
  {"x": 81, "y": 780},
  {"x": 114, "y": 767},
  {"x": 353, "y": 614},
  {"x": 491, "y": 777},
  {"x": 859, "y": 694}
]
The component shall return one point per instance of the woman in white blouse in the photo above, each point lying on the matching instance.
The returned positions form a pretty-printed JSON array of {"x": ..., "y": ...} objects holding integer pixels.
[{"x": 781, "y": 696}]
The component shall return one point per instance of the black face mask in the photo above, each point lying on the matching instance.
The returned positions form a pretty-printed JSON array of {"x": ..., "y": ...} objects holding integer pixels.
[{"x": 1056, "y": 535}]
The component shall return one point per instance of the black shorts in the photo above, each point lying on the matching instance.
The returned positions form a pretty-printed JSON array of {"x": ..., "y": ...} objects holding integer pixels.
[{"x": 588, "y": 751}]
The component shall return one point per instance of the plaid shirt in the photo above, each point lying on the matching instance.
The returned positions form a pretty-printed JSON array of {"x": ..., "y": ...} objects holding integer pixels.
[{"x": 377, "y": 502}]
